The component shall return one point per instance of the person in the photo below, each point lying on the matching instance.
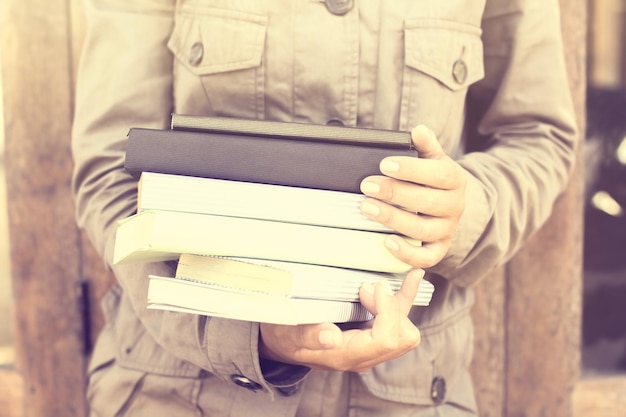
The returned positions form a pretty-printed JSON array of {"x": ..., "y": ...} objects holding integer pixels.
[{"x": 482, "y": 87}]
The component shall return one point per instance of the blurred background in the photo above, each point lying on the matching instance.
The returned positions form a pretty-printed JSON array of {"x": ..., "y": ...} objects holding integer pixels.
[{"x": 604, "y": 302}]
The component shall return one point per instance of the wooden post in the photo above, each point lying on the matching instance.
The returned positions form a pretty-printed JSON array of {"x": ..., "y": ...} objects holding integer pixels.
[
  {"x": 488, "y": 365},
  {"x": 45, "y": 243},
  {"x": 544, "y": 292}
]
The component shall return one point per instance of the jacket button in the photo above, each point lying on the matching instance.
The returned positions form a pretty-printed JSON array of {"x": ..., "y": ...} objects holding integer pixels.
[
  {"x": 459, "y": 71},
  {"x": 339, "y": 7},
  {"x": 335, "y": 122},
  {"x": 245, "y": 382},
  {"x": 196, "y": 53},
  {"x": 438, "y": 390}
]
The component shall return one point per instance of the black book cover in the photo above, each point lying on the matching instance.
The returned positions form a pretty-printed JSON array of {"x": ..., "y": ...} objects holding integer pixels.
[{"x": 255, "y": 158}]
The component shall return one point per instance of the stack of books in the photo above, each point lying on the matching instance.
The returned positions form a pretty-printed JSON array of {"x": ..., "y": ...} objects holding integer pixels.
[{"x": 263, "y": 218}]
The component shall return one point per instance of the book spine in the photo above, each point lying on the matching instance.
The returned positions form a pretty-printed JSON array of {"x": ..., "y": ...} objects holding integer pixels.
[
  {"x": 294, "y": 131},
  {"x": 306, "y": 164}
]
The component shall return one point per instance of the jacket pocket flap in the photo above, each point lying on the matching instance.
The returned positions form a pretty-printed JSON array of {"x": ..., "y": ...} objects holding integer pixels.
[
  {"x": 218, "y": 40},
  {"x": 450, "y": 52}
]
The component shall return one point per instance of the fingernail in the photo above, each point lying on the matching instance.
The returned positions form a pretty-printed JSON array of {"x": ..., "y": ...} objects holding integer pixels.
[
  {"x": 370, "y": 209},
  {"x": 389, "y": 166},
  {"x": 368, "y": 288},
  {"x": 392, "y": 245},
  {"x": 328, "y": 338},
  {"x": 423, "y": 129},
  {"x": 369, "y": 187}
]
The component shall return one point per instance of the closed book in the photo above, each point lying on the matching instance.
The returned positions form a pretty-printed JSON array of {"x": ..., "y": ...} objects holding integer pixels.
[
  {"x": 253, "y": 200},
  {"x": 293, "y": 131},
  {"x": 167, "y": 293},
  {"x": 300, "y": 163},
  {"x": 288, "y": 279},
  {"x": 159, "y": 235}
]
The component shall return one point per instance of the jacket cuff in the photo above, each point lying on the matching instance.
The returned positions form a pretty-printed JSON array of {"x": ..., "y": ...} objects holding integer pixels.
[
  {"x": 283, "y": 376},
  {"x": 458, "y": 265},
  {"x": 235, "y": 358}
]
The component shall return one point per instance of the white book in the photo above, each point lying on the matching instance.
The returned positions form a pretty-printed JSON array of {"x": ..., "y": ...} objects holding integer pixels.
[
  {"x": 167, "y": 293},
  {"x": 288, "y": 279},
  {"x": 253, "y": 200},
  {"x": 156, "y": 235}
]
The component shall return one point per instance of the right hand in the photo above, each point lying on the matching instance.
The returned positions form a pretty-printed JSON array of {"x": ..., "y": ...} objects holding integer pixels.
[{"x": 325, "y": 346}]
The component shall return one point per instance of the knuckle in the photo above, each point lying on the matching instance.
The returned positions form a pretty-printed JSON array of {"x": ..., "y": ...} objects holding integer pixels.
[
  {"x": 423, "y": 231},
  {"x": 428, "y": 258},
  {"x": 414, "y": 338},
  {"x": 387, "y": 216},
  {"x": 419, "y": 258},
  {"x": 387, "y": 190}
]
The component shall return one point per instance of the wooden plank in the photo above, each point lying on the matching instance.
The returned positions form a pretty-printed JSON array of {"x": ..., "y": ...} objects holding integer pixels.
[
  {"x": 44, "y": 240},
  {"x": 543, "y": 305},
  {"x": 600, "y": 397},
  {"x": 488, "y": 363}
]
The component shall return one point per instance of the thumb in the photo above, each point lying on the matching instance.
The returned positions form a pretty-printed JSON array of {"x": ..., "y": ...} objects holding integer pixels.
[
  {"x": 426, "y": 143},
  {"x": 319, "y": 336}
]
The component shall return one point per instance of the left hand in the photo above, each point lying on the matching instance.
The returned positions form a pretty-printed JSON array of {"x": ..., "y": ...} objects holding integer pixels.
[
  {"x": 325, "y": 346},
  {"x": 422, "y": 198}
]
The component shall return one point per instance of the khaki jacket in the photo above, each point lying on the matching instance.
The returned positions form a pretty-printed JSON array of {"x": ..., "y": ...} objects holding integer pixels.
[{"x": 486, "y": 76}]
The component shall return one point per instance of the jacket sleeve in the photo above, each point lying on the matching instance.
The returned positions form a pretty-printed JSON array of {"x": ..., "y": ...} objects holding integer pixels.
[
  {"x": 523, "y": 114},
  {"x": 125, "y": 80}
]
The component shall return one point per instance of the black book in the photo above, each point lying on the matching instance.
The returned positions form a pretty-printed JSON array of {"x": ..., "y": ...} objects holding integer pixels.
[{"x": 293, "y": 154}]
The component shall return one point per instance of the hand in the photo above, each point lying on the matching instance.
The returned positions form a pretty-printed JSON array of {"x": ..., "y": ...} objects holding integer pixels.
[
  {"x": 325, "y": 346},
  {"x": 422, "y": 198}
]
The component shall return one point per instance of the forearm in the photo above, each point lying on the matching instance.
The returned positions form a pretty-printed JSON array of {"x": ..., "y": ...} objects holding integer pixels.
[{"x": 530, "y": 132}]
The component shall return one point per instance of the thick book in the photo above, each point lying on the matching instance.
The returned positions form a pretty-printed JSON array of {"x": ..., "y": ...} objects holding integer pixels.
[
  {"x": 167, "y": 293},
  {"x": 253, "y": 200},
  {"x": 161, "y": 235},
  {"x": 288, "y": 279},
  {"x": 337, "y": 166}
]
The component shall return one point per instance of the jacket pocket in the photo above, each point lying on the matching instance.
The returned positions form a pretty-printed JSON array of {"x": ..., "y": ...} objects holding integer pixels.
[
  {"x": 442, "y": 59},
  {"x": 218, "y": 60}
]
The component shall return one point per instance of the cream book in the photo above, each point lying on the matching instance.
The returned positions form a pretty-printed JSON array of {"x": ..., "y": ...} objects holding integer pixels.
[
  {"x": 156, "y": 235},
  {"x": 288, "y": 279},
  {"x": 253, "y": 200},
  {"x": 166, "y": 293}
]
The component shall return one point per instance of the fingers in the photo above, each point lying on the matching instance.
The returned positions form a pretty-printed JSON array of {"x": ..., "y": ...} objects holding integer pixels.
[
  {"x": 442, "y": 173},
  {"x": 389, "y": 335},
  {"x": 425, "y": 256},
  {"x": 408, "y": 290},
  {"x": 285, "y": 343},
  {"x": 422, "y": 198},
  {"x": 413, "y": 198},
  {"x": 379, "y": 297}
]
